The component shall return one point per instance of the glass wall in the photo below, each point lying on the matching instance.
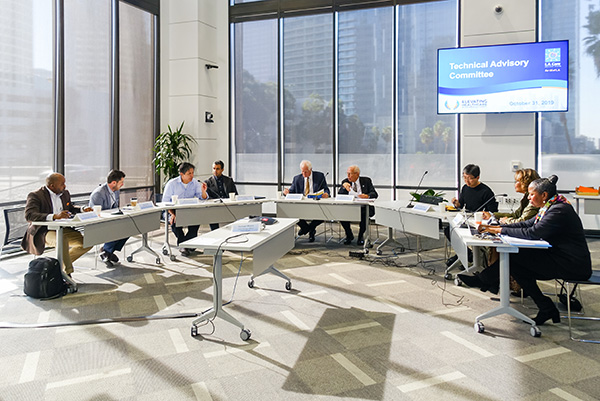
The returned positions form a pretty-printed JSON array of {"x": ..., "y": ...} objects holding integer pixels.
[
  {"x": 365, "y": 92},
  {"x": 569, "y": 141},
  {"x": 426, "y": 141},
  {"x": 136, "y": 87},
  {"x": 308, "y": 93},
  {"x": 255, "y": 75},
  {"x": 26, "y": 107},
  {"x": 87, "y": 93}
]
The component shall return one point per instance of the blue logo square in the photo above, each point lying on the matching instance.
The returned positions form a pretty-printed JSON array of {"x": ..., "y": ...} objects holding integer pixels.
[{"x": 552, "y": 55}]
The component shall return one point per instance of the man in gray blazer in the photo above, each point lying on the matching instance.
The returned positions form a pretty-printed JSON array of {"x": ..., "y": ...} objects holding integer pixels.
[{"x": 107, "y": 196}]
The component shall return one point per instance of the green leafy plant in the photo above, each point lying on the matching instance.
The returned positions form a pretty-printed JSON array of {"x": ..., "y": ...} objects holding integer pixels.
[
  {"x": 430, "y": 192},
  {"x": 171, "y": 148}
]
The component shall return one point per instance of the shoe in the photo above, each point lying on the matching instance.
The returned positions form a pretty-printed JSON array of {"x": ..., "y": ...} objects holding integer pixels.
[
  {"x": 360, "y": 241},
  {"x": 545, "y": 315},
  {"x": 451, "y": 260},
  {"x": 311, "y": 236},
  {"x": 184, "y": 252},
  {"x": 491, "y": 288},
  {"x": 348, "y": 240},
  {"x": 302, "y": 232},
  {"x": 113, "y": 258},
  {"x": 473, "y": 281}
]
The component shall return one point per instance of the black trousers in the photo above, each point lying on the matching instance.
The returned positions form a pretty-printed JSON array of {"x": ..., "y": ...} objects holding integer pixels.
[
  {"x": 307, "y": 227},
  {"x": 192, "y": 232},
  {"x": 362, "y": 227}
]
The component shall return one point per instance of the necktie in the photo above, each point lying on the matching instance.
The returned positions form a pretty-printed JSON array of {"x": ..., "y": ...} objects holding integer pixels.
[
  {"x": 354, "y": 187},
  {"x": 307, "y": 188}
]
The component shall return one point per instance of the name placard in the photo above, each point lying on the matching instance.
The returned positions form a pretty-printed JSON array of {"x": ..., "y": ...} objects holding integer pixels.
[
  {"x": 344, "y": 198},
  {"x": 245, "y": 197},
  {"x": 86, "y": 216},
  {"x": 458, "y": 219},
  {"x": 422, "y": 207},
  {"x": 146, "y": 205},
  {"x": 247, "y": 227},
  {"x": 188, "y": 201},
  {"x": 293, "y": 197}
]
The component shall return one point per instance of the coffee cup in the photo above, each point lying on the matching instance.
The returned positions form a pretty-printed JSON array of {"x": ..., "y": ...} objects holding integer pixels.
[
  {"x": 478, "y": 217},
  {"x": 174, "y": 198},
  {"x": 279, "y": 194},
  {"x": 97, "y": 209},
  {"x": 133, "y": 202},
  {"x": 232, "y": 196}
]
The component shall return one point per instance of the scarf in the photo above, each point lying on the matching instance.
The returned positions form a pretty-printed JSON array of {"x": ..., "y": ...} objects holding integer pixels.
[{"x": 555, "y": 199}]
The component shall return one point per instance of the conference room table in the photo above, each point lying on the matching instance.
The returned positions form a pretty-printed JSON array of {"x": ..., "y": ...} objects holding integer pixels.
[
  {"x": 591, "y": 203},
  {"x": 266, "y": 246},
  {"x": 111, "y": 225},
  {"x": 326, "y": 209},
  {"x": 208, "y": 212}
]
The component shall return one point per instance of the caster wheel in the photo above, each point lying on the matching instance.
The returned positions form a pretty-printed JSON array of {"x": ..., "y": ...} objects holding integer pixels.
[
  {"x": 458, "y": 282},
  {"x": 173, "y": 258},
  {"x": 245, "y": 334},
  {"x": 165, "y": 251},
  {"x": 448, "y": 276},
  {"x": 535, "y": 331},
  {"x": 379, "y": 252},
  {"x": 158, "y": 261},
  {"x": 130, "y": 258},
  {"x": 194, "y": 331},
  {"x": 479, "y": 328},
  {"x": 251, "y": 283},
  {"x": 366, "y": 251},
  {"x": 288, "y": 285}
]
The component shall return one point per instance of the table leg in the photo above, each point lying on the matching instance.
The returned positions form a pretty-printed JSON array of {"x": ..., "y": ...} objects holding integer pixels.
[{"x": 59, "y": 255}]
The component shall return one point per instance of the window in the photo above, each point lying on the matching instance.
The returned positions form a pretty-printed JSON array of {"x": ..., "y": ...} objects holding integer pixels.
[
  {"x": 26, "y": 107},
  {"x": 569, "y": 141}
]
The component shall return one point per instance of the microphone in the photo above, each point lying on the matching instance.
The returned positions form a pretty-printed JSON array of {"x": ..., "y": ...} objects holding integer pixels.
[
  {"x": 488, "y": 201},
  {"x": 418, "y": 187}
]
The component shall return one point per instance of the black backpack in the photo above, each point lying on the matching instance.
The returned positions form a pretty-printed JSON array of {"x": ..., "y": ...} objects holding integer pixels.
[{"x": 44, "y": 279}]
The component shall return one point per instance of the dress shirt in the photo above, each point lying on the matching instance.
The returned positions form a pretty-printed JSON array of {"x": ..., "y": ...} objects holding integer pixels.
[
  {"x": 56, "y": 204},
  {"x": 176, "y": 187}
]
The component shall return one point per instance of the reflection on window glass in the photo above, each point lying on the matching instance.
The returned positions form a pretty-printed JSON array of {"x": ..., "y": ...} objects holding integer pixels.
[
  {"x": 365, "y": 74},
  {"x": 569, "y": 140},
  {"x": 308, "y": 88},
  {"x": 87, "y": 93},
  {"x": 26, "y": 77},
  {"x": 136, "y": 95},
  {"x": 426, "y": 140},
  {"x": 256, "y": 101}
]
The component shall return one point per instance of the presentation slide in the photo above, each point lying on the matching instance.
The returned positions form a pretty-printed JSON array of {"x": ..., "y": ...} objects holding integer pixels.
[{"x": 524, "y": 77}]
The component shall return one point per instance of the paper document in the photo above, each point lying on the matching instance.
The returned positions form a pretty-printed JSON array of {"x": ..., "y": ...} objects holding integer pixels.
[{"x": 525, "y": 242}]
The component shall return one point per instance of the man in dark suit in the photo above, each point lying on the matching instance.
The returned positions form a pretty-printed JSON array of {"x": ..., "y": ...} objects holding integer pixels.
[
  {"x": 107, "y": 196},
  {"x": 360, "y": 187},
  {"x": 53, "y": 202},
  {"x": 308, "y": 182},
  {"x": 219, "y": 185}
]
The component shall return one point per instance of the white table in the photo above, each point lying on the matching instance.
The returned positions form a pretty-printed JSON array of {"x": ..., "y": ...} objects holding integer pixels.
[
  {"x": 461, "y": 238},
  {"x": 267, "y": 247},
  {"x": 208, "y": 212},
  {"x": 591, "y": 204},
  {"x": 107, "y": 228},
  {"x": 327, "y": 209},
  {"x": 395, "y": 215}
]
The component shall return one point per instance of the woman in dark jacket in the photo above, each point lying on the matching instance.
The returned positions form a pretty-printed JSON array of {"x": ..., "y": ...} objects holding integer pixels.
[{"x": 568, "y": 258}]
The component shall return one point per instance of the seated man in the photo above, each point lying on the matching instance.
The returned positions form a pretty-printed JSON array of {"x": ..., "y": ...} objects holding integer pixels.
[
  {"x": 219, "y": 185},
  {"x": 53, "y": 202},
  {"x": 184, "y": 186},
  {"x": 360, "y": 187},
  {"x": 307, "y": 182},
  {"x": 474, "y": 196},
  {"x": 107, "y": 196}
]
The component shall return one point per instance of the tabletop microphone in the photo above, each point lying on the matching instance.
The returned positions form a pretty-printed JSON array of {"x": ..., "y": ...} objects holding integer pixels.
[
  {"x": 416, "y": 190},
  {"x": 488, "y": 201}
]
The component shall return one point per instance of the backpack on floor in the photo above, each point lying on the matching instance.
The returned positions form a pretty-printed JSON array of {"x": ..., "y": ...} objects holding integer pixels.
[{"x": 44, "y": 279}]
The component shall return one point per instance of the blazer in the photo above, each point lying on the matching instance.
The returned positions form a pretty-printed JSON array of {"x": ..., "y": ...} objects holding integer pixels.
[
  {"x": 37, "y": 208},
  {"x": 213, "y": 188},
  {"x": 319, "y": 183},
  {"x": 562, "y": 228},
  {"x": 102, "y": 196},
  {"x": 366, "y": 187}
]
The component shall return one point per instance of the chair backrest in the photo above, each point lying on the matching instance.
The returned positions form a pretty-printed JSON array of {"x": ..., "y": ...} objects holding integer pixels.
[{"x": 15, "y": 224}]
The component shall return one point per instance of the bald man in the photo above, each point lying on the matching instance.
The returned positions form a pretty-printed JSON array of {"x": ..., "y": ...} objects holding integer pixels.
[
  {"x": 361, "y": 187},
  {"x": 53, "y": 202}
]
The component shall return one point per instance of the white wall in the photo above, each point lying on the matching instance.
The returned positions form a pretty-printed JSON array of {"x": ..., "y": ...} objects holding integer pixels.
[{"x": 195, "y": 33}]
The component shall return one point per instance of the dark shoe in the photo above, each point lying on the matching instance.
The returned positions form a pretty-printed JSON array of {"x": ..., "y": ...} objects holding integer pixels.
[
  {"x": 105, "y": 257},
  {"x": 348, "y": 240},
  {"x": 491, "y": 288},
  {"x": 113, "y": 258},
  {"x": 451, "y": 260},
  {"x": 184, "y": 252},
  {"x": 302, "y": 232},
  {"x": 360, "y": 241},
  {"x": 473, "y": 281},
  {"x": 311, "y": 236},
  {"x": 545, "y": 315}
]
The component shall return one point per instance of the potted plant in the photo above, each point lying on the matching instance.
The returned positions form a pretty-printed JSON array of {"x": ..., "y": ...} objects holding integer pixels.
[
  {"x": 171, "y": 149},
  {"x": 430, "y": 192}
]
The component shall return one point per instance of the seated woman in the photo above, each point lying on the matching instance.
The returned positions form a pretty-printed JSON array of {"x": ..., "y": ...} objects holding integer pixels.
[
  {"x": 568, "y": 258},
  {"x": 523, "y": 177}
]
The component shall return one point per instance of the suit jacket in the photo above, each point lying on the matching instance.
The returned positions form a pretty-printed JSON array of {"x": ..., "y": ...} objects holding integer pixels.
[
  {"x": 366, "y": 187},
  {"x": 37, "y": 208},
  {"x": 562, "y": 228},
  {"x": 102, "y": 196},
  {"x": 213, "y": 188},
  {"x": 319, "y": 183}
]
